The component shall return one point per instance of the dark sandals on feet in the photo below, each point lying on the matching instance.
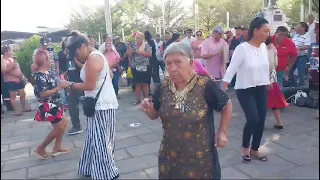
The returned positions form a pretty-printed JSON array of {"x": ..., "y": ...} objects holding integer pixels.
[
  {"x": 278, "y": 126},
  {"x": 18, "y": 114},
  {"x": 260, "y": 158},
  {"x": 246, "y": 158}
]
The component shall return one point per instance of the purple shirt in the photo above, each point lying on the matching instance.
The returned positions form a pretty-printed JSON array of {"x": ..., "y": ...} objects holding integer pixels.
[{"x": 214, "y": 65}]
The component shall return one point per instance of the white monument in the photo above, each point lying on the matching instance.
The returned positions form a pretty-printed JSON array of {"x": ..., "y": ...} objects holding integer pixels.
[{"x": 274, "y": 15}]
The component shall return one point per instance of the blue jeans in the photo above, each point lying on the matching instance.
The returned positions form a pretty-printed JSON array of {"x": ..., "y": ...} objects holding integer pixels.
[
  {"x": 300, "y": 64},
  {"x": 280, "y": 77},
  {"x": 115, "y": 81}
]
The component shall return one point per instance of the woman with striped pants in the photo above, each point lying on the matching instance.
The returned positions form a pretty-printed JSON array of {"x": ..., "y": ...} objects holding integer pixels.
[{"x": 97, "y": 159}]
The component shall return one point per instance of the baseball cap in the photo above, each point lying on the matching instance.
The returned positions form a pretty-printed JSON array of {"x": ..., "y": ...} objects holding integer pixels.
[
  {"x": 43, "y": 42},
  {"x": 218, "y": 29}
]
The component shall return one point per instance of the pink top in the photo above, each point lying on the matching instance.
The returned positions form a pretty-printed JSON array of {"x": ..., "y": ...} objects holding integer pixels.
[
  {"x": 112, "y": 57},
  {"x": 200, "y": 70},
  {"x": 215, "y": 65},
  {"x": 14, "y": 75},
  {"x": 196, "y": 49}
]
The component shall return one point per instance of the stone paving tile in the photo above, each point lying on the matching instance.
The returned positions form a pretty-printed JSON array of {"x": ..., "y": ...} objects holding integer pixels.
[
  {"x": 9, "y": 155},
  {"x": 134, "y": 175},
  {"x": 232, "y": 173},
  {"x": 73, "y": 154},
  {"x": 25, "y": 162},
  {"x": 70, "y": 175},
  {"x": 314, "y": 133},
  {"x": 15, "y": 139},
  {"x": 270, "y": 148},
  {"x": 153, "y": 172},
  {"x": 133, "y": 132},
  {"x": 229, "y": 157},
  {"x": 298, "y": 141},
  {"x": 48, "y": 177},
  {"x": 121, "y": 154},
  {"x": 143, "y": 149},
  {"x": 301, "y": 156},
  {"x": 4, "y": 148},
  {"x": 259, "y": 169},
  {"x": 147, "y": 138},
  {"x": 52, "y": 168},
  {"x": 137, "y": 163},
  {"x": 311, "y": 171},
  {"x": 127, "y": 142},
  {"x": 78, "y": 143},
  {"x": 16, "y": 174}
]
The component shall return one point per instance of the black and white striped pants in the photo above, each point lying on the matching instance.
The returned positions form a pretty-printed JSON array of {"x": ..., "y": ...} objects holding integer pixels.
[{"x": 97, "y": 159}]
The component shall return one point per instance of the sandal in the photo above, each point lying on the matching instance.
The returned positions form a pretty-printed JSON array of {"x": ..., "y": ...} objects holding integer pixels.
[
  {"x": 278, "y": 126},
  {"x": 45, "y": 157},
  {"x": 28, "y": 110},
  {"x": 260, "y": 158},
  {"x": 18, "y": 114},
  {"x": 246, "y": 158},
  {"x": 59, "y": 152}
]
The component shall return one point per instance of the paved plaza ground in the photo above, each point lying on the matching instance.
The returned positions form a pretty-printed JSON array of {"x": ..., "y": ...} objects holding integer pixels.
[{"x": 293, "y": 152}]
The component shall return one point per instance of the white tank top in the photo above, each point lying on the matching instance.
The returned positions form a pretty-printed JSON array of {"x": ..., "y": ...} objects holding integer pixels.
[{"x": 107, "y": 99}]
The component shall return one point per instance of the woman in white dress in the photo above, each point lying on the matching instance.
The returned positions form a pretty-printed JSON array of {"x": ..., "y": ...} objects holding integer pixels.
[{"x": 97, "y": 158}]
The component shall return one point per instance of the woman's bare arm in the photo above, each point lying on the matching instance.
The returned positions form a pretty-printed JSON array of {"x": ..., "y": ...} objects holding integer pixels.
[{"x": 94, "y": 66}]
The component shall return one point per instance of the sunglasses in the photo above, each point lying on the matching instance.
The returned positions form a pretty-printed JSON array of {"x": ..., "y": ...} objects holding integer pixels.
[{"x": 199, "y": 34}]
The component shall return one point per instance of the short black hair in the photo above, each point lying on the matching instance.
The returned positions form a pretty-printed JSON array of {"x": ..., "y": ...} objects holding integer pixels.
[
  {"x": 188, "y": 30},
  {"x": 244, "y": 28},
  {"x": 305, "y": 26},
  {"x": 282, "y": 29},
  {"x": 238, "y": 28},
  {"x": 257, "y": 23},
  {"x": 147, "y": 35},
  {"x": 75, "y": 41},
  {"x": 5, "y": 49}
]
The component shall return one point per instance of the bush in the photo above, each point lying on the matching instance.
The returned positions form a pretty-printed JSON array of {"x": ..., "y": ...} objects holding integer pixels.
[{"x": 25, "y": 52}]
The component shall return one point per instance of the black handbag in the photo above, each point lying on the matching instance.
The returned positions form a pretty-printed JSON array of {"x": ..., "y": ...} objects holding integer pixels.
[
  {"x": 89, "y": 103},
  {"x": 312, "y": 102}
]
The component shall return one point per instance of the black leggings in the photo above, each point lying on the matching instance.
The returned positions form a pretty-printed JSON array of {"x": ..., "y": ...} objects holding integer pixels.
[{"x": 254, "y": 104}]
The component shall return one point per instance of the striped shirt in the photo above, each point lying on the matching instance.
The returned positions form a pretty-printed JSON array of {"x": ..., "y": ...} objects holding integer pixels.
[{"x": 301, "y": 41}]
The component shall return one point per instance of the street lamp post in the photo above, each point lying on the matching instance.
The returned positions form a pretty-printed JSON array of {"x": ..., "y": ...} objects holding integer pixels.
[
  {"x": 107, "y": 14},
  {"x": 310, "y": 6}
]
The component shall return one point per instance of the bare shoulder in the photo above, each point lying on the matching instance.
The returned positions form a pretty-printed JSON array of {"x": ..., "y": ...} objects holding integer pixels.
[{"x": 95, "y": 61}]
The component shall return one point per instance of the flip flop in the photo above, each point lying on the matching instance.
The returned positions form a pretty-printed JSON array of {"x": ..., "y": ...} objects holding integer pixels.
[
  {"x": 62, "y": 151},
  {"x": 42, "y": 157},
  {"x": 18, "y": 114},
  {"x": 28, "y": 110}
]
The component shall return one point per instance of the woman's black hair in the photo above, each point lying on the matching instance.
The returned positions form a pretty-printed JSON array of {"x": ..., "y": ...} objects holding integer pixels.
[
  {"x": 63, "y": 45},
  {"x": 147, "y": 36},
  {"x": 175, "y": 36},
  {"x": 75, "y": 41},
  {"x": 268, "y": 41},
  {"x": 257, "y": 23},
  {"x": 305, "y": 26}
]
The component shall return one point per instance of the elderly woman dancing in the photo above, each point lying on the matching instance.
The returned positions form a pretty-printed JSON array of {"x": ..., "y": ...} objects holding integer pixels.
[{"x": 185, "y": 104}]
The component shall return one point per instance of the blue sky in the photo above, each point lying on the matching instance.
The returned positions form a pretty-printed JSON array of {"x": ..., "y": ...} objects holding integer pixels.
[{"x": 25, "y": 15}]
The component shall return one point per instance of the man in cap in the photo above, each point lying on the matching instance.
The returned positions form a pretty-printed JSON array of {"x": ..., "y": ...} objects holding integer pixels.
[
  {"x": 212, "y": 53},
  {"x": 44, "y": 45}
]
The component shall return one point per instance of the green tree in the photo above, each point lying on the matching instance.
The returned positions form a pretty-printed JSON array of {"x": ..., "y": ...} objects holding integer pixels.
[
  {"x": 24, "y": 54},
  {"x": 210, "y": 14},
  {"x": 241, "y": 11},
  {"x": 174, "y": 15}
]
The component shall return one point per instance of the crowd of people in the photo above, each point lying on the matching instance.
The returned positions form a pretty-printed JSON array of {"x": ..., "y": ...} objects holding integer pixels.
[{"x": 198, "y": 71}]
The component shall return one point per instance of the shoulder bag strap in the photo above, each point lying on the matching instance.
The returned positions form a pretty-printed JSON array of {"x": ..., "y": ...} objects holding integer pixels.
[{"x": 98, "y": 94}]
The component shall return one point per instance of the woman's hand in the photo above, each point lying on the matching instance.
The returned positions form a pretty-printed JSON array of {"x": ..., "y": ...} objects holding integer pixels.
[
  {"x": 147, "y": 106},
  {"x": 221, "y": 139},
  {"x": 64, "y": 85}
]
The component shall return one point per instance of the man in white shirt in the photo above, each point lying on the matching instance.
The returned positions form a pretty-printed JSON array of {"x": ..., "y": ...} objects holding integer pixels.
[
  {"x": 312, "y": 27},
  {"x": 302, "y": 42},
  {"x": 189, "y": 39}
]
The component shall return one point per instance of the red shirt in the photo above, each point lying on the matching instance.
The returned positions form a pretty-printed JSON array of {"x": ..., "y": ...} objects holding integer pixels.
[{"x": 285, "y": 50}]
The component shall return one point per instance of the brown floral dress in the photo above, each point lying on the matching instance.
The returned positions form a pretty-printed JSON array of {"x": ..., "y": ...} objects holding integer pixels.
[{"x": 187, "y": 149}]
